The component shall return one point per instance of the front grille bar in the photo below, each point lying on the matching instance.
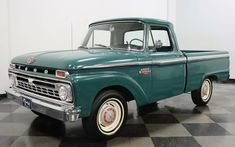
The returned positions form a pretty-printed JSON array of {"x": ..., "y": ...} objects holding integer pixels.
[
  {"x": 38, "y": 86},
  {"x": 38, "y": 89}
]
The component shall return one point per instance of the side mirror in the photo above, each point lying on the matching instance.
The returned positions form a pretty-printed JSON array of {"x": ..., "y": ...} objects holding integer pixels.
[{"x": 158, "y": 44}]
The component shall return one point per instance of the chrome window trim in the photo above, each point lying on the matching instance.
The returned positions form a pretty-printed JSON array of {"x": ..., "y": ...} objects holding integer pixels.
[
  {"x": 119, "y": 21},
  {"x": 170, "y": 34},
  {"x": 131, "y": 21}
]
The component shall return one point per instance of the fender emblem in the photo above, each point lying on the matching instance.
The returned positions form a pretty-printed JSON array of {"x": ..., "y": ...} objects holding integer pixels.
[{"x": 144, "y": 71}]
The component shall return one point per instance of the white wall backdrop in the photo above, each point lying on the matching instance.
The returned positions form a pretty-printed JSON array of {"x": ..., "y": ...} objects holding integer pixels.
[
  {"x": 35, "y": 25},
  {"x": 4, "y": 48},
  {"x": 207, "y": 24}
]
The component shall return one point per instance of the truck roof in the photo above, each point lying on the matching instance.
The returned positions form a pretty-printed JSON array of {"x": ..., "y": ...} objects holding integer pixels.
[{"x": 144, "y": 20}]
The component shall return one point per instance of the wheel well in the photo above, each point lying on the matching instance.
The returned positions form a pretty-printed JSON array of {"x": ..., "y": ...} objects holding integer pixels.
[
  {"x": 124, "y": 91},
  {"x": 213, "y": 77}
]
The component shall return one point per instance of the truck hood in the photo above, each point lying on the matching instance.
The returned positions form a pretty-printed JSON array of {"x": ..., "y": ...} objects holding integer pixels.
[{"x": 76, "y": 59}]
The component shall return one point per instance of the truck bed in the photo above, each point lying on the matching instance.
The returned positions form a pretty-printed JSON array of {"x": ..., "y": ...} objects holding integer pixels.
[{"x": 202, "y": 63}]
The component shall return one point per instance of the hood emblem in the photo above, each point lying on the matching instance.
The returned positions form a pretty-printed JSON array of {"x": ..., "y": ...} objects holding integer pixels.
[
  {"x": 31, "y": 81},
  {"x": 30, "y": 60}
]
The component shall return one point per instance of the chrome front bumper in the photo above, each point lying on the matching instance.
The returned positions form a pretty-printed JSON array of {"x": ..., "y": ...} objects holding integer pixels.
[{"x": 60, "y": 112}]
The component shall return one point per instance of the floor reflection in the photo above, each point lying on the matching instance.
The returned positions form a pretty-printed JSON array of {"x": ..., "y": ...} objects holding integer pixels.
[
  {"x": 171, "y": 122},
  {"x": 45, "y": 126}
]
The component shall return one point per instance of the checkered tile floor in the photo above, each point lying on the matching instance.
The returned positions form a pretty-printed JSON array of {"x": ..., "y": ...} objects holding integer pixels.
[{"x": 173, "y": 122}]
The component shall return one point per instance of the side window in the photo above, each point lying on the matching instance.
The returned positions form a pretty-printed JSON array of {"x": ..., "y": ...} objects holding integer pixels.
[
  {"x": 134, "y": 38},
  {"x": 159, "y": 39},
  {"x": 99, "y": 38}
]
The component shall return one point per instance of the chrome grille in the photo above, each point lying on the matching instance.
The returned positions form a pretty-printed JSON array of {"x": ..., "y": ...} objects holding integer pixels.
[{"x": 37, "y": 86}]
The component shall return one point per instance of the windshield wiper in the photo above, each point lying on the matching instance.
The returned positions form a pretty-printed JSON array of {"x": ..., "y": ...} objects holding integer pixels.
[
  {"x": 85, "y": 47},
  {"x": 101, "y": 45}
]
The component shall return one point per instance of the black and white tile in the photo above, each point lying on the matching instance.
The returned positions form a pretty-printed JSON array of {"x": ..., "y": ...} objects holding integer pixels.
[{"x": 171, "y": 122}]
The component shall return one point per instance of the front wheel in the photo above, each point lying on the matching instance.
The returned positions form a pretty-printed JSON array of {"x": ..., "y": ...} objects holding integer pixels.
[
  {"x": 107, "y": 117},
  {"x": 202, "y": 95}
]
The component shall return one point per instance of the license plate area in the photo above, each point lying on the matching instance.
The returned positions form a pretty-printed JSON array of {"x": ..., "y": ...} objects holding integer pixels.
[{"x": 26, "y": 102}]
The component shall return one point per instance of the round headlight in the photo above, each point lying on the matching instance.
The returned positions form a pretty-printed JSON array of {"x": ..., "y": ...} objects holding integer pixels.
[
  {"x": 63, "y": 93},
  {"x": 12, "y": 80}
]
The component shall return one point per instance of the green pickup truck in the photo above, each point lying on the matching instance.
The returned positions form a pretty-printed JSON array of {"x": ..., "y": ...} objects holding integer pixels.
[{"x": 120, "y": 60}]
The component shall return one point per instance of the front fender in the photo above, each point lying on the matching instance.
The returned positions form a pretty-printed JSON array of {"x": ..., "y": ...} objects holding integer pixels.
[{"x": 86, "y": 86}]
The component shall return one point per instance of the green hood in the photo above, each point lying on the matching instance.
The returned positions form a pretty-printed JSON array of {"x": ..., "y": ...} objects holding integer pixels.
[{"x": 76, "y": 59}]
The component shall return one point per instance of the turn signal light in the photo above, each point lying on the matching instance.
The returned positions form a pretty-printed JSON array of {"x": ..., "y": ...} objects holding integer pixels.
[{"x": 61, "y": 73}]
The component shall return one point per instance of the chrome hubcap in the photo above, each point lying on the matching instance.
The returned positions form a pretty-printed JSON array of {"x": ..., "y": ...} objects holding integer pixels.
[
  {"x": 110, "y": 116},
  {"x": 205, "y": 90}
]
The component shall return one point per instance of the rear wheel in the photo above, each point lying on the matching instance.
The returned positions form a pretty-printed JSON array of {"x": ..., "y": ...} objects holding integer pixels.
[
  {"x": 202, "y": 95},
  {"x": 108, "y": 115}
]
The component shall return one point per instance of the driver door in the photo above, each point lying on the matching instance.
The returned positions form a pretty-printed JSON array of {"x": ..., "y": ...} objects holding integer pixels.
[{"x": 168, "y": 64}]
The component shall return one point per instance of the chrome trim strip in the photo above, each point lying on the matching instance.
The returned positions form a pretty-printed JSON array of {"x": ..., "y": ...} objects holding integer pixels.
[
  {"x": 110, "y": 65},
  {"x": 158, "y": 62},
  {"x": 207, "y": 57},
  {"x": 155, "y": 62},
  {"x": 145, "y": 31},
  {"x": 144, "y": 63},
  {"x": 171, "y": 61}
]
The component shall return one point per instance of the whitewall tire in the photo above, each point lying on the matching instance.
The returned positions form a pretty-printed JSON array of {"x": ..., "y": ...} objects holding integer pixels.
[
  {"x": 203, "y": 95},
  {"x": 108, "y": 115}
]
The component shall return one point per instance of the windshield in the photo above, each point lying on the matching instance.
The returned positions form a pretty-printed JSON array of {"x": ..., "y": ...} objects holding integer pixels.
[{"x": 119, "y": 35}]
